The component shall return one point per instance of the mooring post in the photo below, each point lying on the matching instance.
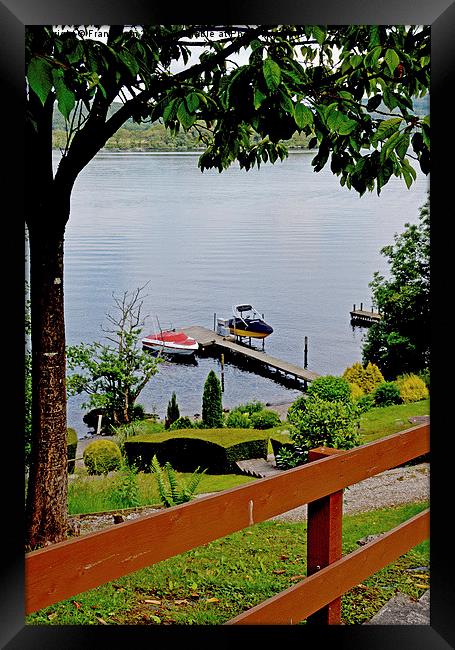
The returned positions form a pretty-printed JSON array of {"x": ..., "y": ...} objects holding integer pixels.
[
  {"x": 361, "y": 306},
  {"x": 214, "y": 321},
  {"x": 324, "y": 539},
  {"x": 305, "y": 353}
]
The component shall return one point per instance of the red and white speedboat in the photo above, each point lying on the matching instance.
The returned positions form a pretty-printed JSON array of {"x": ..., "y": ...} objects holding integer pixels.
[{"x": 170, "y": 342}]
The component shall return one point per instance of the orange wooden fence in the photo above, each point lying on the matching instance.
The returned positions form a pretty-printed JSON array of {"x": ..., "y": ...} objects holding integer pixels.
[{"x": 68, "y": 568}]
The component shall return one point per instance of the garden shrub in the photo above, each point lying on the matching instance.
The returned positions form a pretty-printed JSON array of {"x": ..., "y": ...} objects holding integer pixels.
[
  {"x": 367, "y": 378},
  {"x": 387, "y": 394},
  {"x": 412, "y": 388},
  {"x": 238, "y": 419},
  {"x": 326, "y": 423},
  {"x": 212, "y": 408},
  {"x": 365, "y": 403},
  {"x": 250, "y": 407},
  {"x": 137, "y": 412},
  {"x": 425, "y": 376},
  {"x": 102, "y": 456},
  {"x": 289, "y": 456},
  {"x": 265, "y": 419},
  {"x": 71, "y": 441},
  {"x": 296, "y": 406},
  {"x": 182, "y": 422},
  {"x": 331, "y": 389}
]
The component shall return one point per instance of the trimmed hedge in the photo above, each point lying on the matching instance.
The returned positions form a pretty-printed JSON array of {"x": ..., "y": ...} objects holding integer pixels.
[{"x": 190, "y": 450}]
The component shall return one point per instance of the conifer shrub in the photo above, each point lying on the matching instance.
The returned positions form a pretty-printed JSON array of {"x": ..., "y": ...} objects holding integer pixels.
[
  {"x": 71, "y": 441},
  {"x": 173, "y": 412},
  {"x": 387, "y": 394},
  {"x": 212, "y": 408},
  {"x": 366, "y": 378},
  {"x": 356, "y": 392},
  {"x": 331, "y": 389},
  {"x": 412, "y": 388},
  {"x": 265, "y": 419},
  {"x": 102, "y": 456}
]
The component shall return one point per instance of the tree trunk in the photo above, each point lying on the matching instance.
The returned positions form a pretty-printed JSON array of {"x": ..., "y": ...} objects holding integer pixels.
[{"x": 46, "y": 508}]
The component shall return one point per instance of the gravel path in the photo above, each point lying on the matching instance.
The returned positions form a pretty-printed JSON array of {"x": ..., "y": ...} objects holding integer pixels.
[{"x": 390, "y": 488}]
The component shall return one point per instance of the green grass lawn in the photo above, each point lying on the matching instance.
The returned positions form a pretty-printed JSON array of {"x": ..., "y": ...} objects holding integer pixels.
[
  {"x": 213, "y": 583},
  {"x": 380, "y": 422}
]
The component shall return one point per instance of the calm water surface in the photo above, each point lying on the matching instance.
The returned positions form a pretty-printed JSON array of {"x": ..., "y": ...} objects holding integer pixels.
[{"x": 294, "y": 243}]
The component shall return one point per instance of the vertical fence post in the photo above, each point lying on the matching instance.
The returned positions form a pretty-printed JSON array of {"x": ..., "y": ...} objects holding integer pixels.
[{"x": 324, "y": 539}]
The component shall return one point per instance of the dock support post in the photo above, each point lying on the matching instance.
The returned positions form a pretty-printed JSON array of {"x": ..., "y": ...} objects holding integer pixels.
[
  {"x": 222, "y": 372},
  {"x": 305, "y": 353}
]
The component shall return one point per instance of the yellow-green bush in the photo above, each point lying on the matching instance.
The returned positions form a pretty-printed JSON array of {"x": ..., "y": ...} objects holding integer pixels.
[
  {"x": 102, "y": 456},
  {"x": 412, "y": 388},
  {"x": 367, "y": 379},
  {"x": 356, "y": 391}
]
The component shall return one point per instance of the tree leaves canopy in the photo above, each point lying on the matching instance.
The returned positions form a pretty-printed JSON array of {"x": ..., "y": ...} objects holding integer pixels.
[{"x": 349, "y": 88}]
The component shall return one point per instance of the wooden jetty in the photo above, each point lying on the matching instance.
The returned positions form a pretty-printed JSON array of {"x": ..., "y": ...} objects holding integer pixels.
[
  {"x": 363, "y": 317},
  {"x": 208, "y": 338}
]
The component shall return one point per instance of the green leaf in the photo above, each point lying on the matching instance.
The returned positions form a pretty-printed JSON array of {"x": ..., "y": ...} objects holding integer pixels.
[
  {"x": 168, "y": 110},
  {"x": 319, "y": 34},
  {"x": 372, "y": 57},
  {"x": 386, "y": 128},
  {"x": 272, "y": 73},
  {"x": 130, "y": 62},
  {"x": 402, "y": 145},
  {"x": 392, "y": 59},
  {"x": 258, "y": 98},
  {"x": 39, "y": 76},
  {"x": 65, "y": 97},
  {"x": 286, "y": 103},
  {"x": 303, "y": 116},
  {"x": 340, "y": 123},
  {"x": 192, "y": 101},
  {"x": 185, "y": 119}
]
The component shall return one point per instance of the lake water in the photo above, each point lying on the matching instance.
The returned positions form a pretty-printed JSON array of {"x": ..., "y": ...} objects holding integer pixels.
[{"x": 293, "y": 243}]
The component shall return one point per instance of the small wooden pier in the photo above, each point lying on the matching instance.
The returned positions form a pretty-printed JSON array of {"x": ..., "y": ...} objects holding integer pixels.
[
  {"x": 363, "y": 317},
  {"x": 208, "y": 338}
]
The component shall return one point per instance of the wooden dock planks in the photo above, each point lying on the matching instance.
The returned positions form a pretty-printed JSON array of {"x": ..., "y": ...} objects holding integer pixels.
[{"x": 206, "y": 337}]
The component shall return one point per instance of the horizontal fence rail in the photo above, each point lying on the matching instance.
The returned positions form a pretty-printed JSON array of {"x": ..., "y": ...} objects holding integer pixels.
[
  {"x": 68, "y": 568},
  {"x": 310, "y": 595}
]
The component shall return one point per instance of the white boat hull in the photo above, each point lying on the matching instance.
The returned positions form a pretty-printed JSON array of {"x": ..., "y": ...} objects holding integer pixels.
[{"x": 169, "y": 348}]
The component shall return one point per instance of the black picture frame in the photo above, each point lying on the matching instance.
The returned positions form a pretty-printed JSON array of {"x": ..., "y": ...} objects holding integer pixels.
[{"x": 440, "y": 14}]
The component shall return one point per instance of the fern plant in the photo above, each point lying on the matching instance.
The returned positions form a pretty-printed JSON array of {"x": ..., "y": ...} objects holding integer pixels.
[{"x": 171, "y": 490}]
